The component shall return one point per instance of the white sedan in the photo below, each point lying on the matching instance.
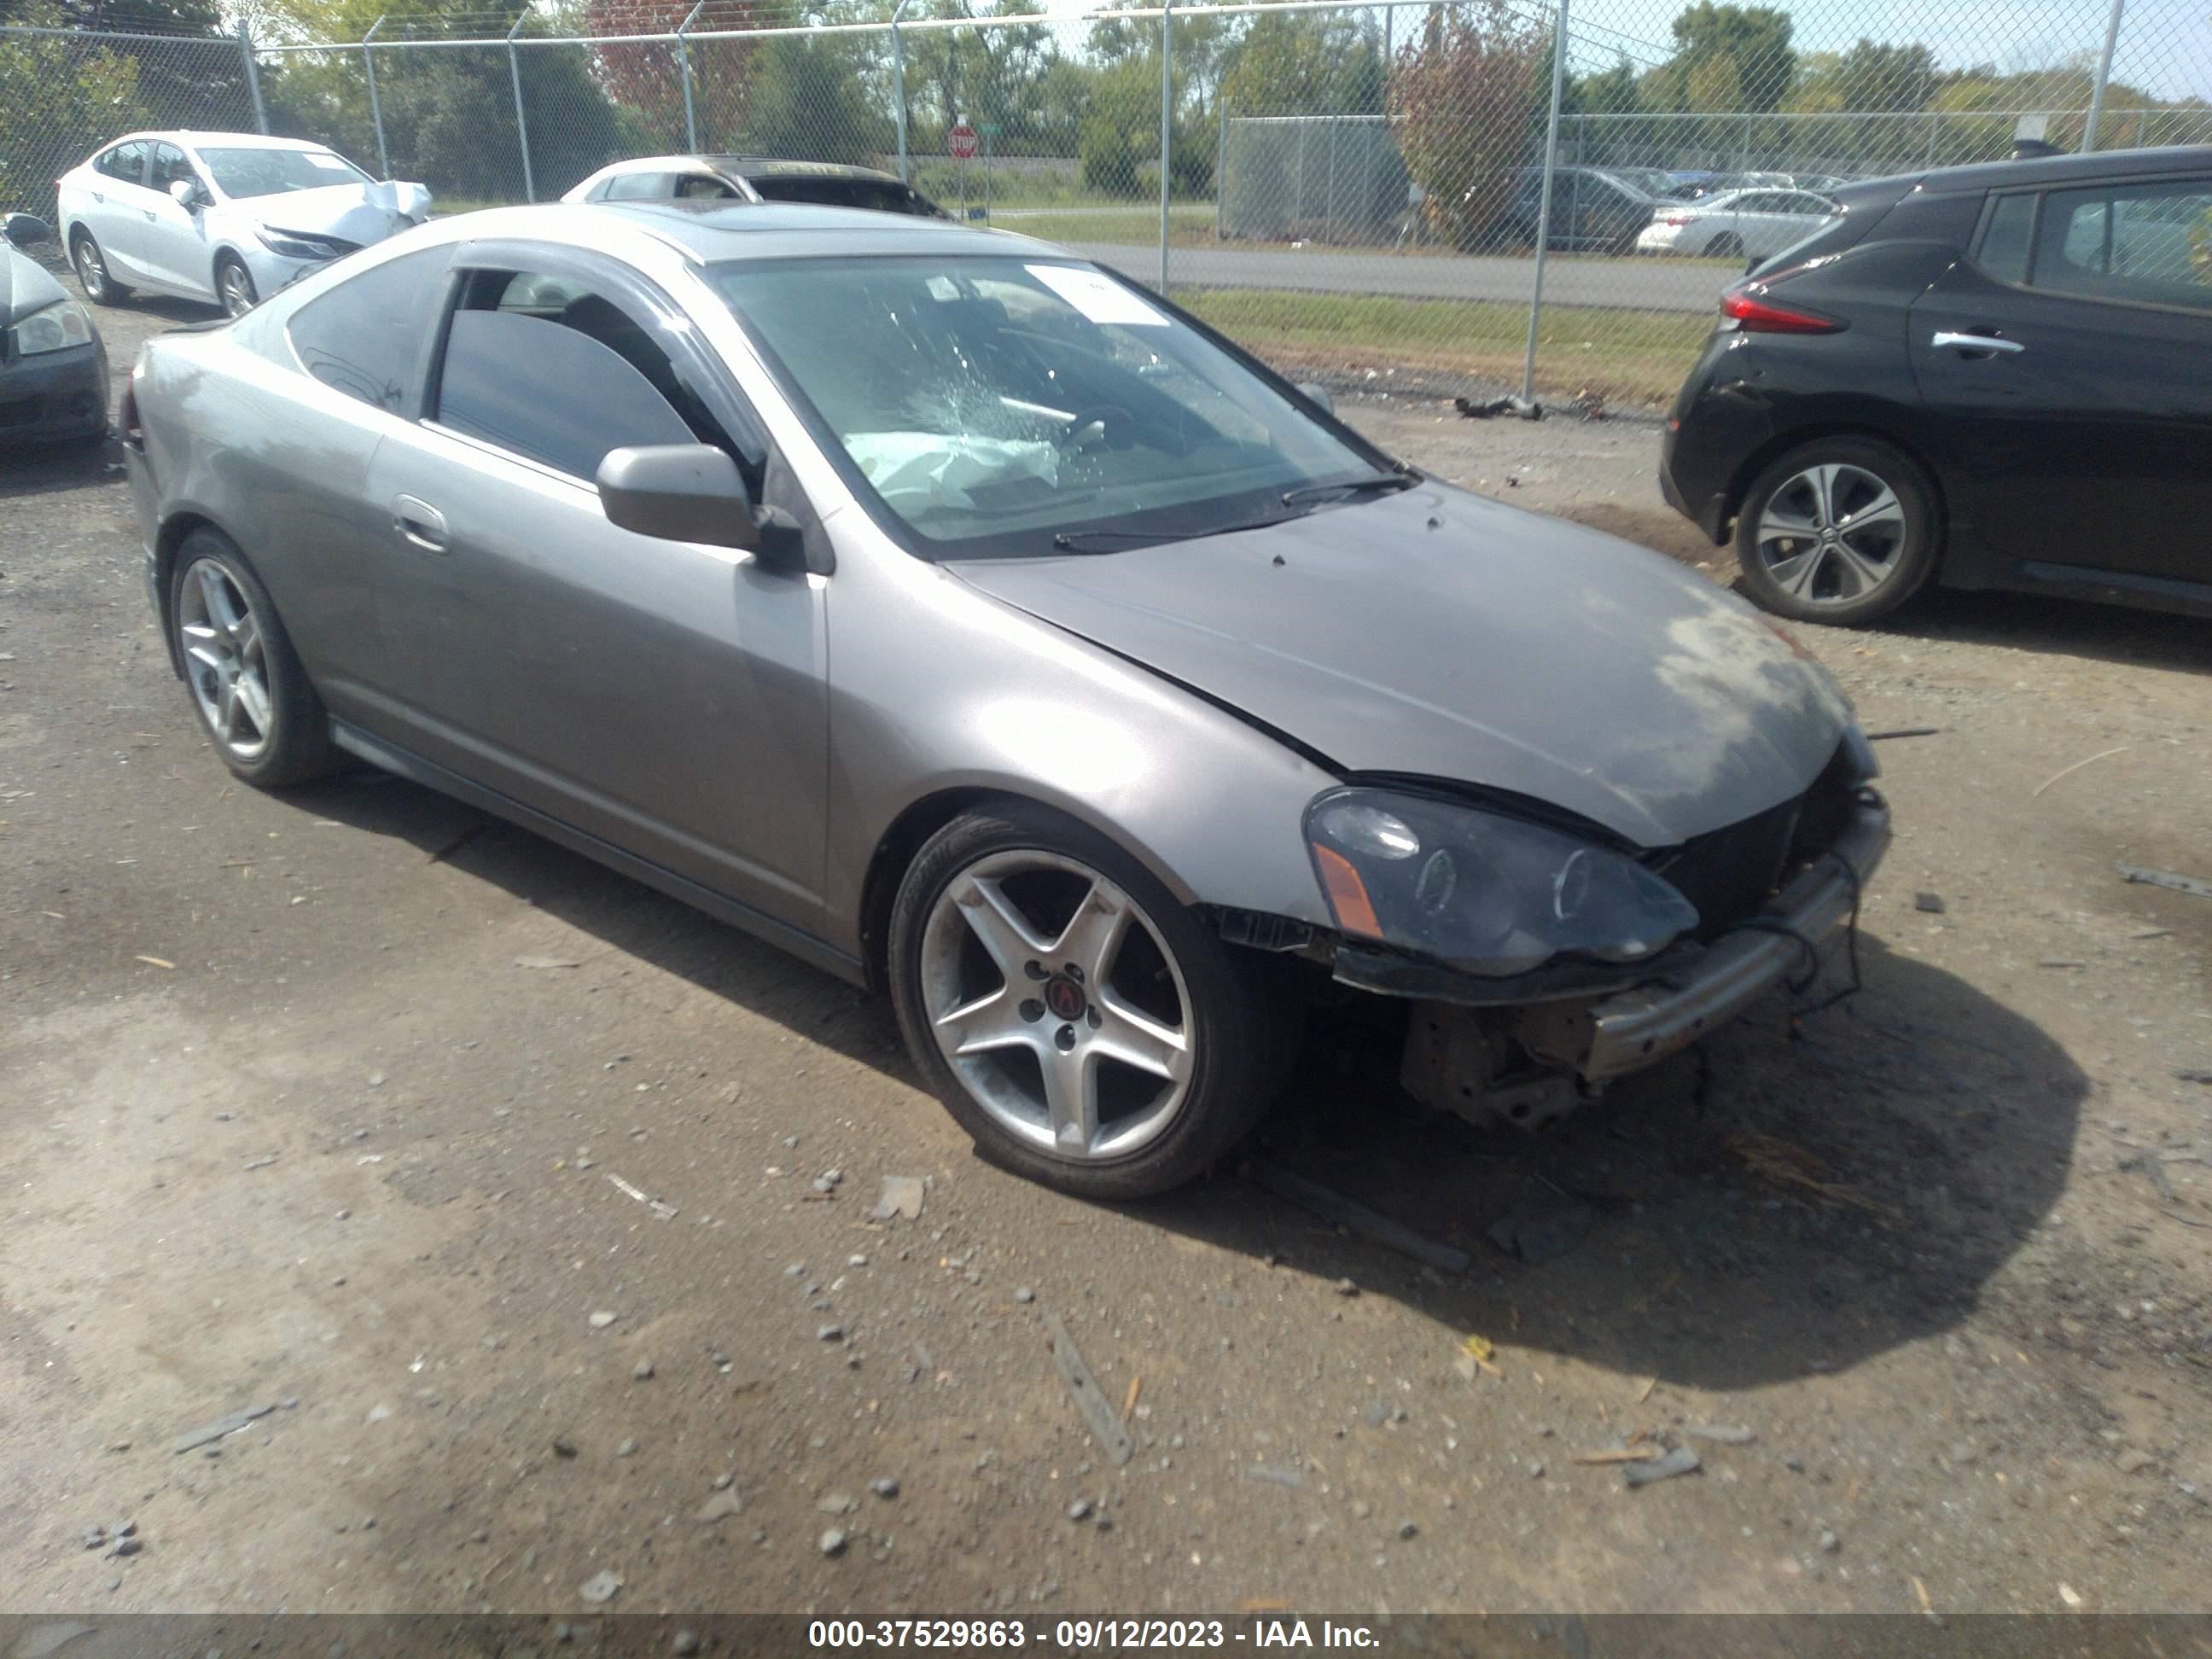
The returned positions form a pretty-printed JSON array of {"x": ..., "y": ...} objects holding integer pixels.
[
  {"x": 226, "y": 216},
  {"x": 1741, "y": 223}
]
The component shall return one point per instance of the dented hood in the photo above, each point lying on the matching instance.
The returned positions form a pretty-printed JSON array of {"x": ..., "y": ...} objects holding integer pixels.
[
  {"x": 364, "y": 214},
  {"x": 1441, "y": 634}
]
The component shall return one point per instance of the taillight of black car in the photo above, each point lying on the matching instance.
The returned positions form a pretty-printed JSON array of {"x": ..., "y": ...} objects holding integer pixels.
[{"x": 1752, "y": 307}]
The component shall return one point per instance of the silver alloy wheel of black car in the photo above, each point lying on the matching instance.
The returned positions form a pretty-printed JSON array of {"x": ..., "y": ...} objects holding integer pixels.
[
  {"x": 235, "y": 284},
  {"x": 224, "y": 647},
  {"x": 1025, "y": 969},
  {"x": 1832, "y": 535}
]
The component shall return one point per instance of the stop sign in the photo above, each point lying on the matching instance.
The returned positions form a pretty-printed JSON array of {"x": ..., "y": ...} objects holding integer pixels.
[{"x": 962, "y": 141}]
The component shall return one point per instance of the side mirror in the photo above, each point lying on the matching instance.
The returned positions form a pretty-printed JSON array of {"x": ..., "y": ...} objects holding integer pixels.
[
  {"x": 1752, "y": 264},
  {"x": 25, "y": 228},
  {"x": 185, "y": 193},
  {"x": 694, "y": 493},
  {"x": 1315, "y": 392}
]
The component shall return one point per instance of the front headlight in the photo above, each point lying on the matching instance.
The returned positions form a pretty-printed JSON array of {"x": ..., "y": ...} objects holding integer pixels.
[
  {"x": 1490, "y": 895},
  {"x": 56, "y": 328},
  {"x": 299, "y": 245}
]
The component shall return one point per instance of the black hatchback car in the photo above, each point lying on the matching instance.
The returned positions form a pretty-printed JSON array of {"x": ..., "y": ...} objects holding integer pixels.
[{"x": 1988, "y": 376}]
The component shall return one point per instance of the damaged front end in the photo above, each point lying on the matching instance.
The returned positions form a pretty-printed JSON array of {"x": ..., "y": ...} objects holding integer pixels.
[{"x": 1539, "y": 965}]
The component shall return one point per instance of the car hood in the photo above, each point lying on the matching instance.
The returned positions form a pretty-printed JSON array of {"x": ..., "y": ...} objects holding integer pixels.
[
  {"x": 358, "y": 213},
  {"x": 1436, "y": 633},
  {"x": 25, "y": 286}
]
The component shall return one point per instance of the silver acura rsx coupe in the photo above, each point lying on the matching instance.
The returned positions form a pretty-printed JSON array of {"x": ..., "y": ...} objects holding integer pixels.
[{"x": 980, "y": 627}]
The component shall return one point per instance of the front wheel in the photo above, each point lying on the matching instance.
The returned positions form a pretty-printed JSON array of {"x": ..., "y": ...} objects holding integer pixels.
[
  {"x": 1840, "y": 530},
  {"x": 1726, "y": 246},
  {"x": 233, "y": 286},
  {"x": 1075, "y": 1018},
  {"x": 92, "y": 276}
]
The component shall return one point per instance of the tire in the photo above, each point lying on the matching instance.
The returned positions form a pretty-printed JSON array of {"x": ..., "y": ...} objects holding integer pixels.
[
  {"x": 91, "y": 266},
  {"x": 252, "y": 698},
  {"x": 1839, "y": 530},
  {"x": 1726, "y": 246},
  {"x": 234, "y": 285},
  {"x": 1207, "y": 1026}
]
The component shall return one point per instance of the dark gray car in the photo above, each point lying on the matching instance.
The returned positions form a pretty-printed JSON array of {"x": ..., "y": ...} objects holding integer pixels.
[
  {"x": 977, "y": 626},
  {"x": 53, "y": 365}
]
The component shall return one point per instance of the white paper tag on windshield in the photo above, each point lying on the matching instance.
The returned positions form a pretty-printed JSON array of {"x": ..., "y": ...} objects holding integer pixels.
[
  {"x": 327, "y": 163},
  {"x": 1097, "y": 296}
]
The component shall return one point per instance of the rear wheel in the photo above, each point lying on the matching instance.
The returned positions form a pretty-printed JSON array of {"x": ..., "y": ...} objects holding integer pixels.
[
  {"x": 1840, "y": 530},
  {"x": 234, "y": 285},
  {"x": 1726, "y": 246},
  {"x": 251, "y": 695},
  {"x": 91, "y": 264},
  {"x": 1075, "y": 1018}
]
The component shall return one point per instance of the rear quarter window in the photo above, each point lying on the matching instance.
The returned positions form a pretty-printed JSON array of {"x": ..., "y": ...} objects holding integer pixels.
[{"x": 366, "y": 336}]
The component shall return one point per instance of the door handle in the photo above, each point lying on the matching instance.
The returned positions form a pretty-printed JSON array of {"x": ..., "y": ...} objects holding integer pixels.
[
  {"x": 419, "y": 523},
  {"x": 1944, "y": 337}
]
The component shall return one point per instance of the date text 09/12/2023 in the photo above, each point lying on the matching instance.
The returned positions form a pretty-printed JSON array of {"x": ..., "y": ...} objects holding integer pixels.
[{"x": 1088, "y": 1635}]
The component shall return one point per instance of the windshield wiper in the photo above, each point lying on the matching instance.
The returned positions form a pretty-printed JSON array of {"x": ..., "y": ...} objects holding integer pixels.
[
  {"x": 1373, "y": 481},
  {"x": 1071, "y": 541}
]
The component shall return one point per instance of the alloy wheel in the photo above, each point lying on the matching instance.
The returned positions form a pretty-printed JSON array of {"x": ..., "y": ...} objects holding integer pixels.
[
  {"x": 225, "y": 659},
  {"x": 236, "y": 288},
  {"x": 1058, "y": 1004},
  {"x": 1832, "y": 534},
  {"x": 91, "y": 270}
]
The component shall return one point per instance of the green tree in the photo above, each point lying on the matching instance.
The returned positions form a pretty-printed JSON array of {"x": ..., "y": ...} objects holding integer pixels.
[
  {"x": 807, "y": 100},
  {"x": 1730, "y": 58},
  {"x": 59, "y": 100},
  {"x": 1305, "y": 64},
  {"x": 1869, "y": 79}
]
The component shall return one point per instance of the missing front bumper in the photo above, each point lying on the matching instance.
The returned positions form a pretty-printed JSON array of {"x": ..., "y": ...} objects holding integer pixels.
[{"x": 1625, "y": 1032}]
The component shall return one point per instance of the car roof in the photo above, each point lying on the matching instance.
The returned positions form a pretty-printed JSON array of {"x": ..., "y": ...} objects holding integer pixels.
[
  {"x": 1977, "y": 176},
  {"x": 191, "y": 139},
  {"x": 750, "y": 166},
  {"x": 770, "y": 166},
  {"x": 712, "y": 232}
]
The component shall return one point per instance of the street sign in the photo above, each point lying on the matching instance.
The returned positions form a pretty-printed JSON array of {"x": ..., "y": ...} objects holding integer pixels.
[
  {"x": 962, "y": 141},
  {"x": 989, "y": 129}
]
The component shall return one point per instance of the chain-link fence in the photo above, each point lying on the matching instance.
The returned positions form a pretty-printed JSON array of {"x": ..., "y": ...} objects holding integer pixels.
[{"x": 1455, "y": 196}]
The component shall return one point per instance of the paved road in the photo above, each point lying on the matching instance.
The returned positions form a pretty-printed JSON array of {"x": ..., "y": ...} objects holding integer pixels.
[{"x": 1642, "y": 284}]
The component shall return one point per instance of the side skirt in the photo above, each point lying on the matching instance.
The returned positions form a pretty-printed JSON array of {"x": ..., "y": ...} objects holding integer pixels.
[{"x": 412, "y": 767}]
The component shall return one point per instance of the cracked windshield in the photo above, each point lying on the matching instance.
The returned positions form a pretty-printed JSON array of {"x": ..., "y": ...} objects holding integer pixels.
[{"x": 1007, "y": 407}]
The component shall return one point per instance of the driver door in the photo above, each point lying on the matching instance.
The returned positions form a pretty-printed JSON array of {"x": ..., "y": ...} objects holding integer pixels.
[{"x": 665, "y": 698}]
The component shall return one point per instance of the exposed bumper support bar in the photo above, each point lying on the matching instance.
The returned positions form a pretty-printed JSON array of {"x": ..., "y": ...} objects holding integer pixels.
[{"x": 1631, "y": 1029}]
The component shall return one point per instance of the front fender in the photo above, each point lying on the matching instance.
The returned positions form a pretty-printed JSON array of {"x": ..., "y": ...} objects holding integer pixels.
[{"x": 1007, "y": 704}]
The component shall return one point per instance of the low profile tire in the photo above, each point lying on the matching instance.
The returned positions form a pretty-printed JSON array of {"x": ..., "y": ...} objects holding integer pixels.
[
  {"x": 1077, "y": 1020},
  {"x": 91, "y": 266},
  {"x": 234, "y": 285},
  {"x": 1839, "y": 530},
  {"x": 251, "y": 694}
]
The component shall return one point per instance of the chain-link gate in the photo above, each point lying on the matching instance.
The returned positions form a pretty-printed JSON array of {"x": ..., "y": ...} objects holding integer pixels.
[{"x": 1458, "y": 197}]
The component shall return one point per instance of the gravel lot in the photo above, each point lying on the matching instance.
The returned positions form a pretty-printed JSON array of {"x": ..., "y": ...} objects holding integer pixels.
[{"x": 495, "y": 1175}]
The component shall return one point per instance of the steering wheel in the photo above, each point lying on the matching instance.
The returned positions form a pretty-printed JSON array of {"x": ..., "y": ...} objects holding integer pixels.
[{"x": 1114, "y": 426}]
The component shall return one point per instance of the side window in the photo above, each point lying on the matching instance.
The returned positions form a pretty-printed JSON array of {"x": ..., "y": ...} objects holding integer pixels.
[
  {"x": 547, "y": 367},
  {"x": 703, "y": 187},
  {"x": 169, "y": 166},
  {"x": 366, "y": 337},
  {"x": 2149, "y": 244},
  {"x": 2003, "y": 251},
  {"x": 637, "y": 187},
  {"x": 126, "y": 163}
]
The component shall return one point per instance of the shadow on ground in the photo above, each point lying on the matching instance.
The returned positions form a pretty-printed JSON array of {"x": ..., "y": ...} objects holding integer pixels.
[{"x": 1786, "y": 1201}]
